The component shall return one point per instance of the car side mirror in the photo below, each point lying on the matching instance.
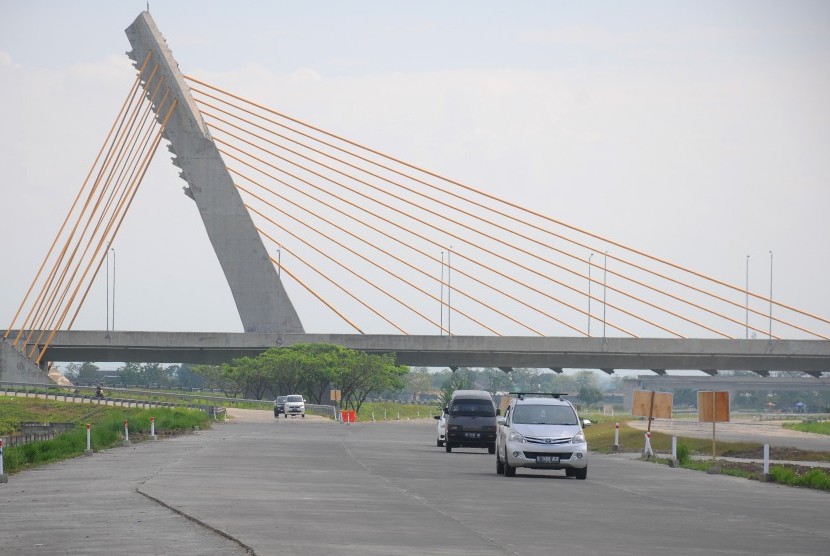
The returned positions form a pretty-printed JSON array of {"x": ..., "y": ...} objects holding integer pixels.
[
  {"x": 586, "y": 423},
  {"x": 437, "y": 417},
  {"x": 501, "y": 420},
  {"x": 498, "y": 412}
]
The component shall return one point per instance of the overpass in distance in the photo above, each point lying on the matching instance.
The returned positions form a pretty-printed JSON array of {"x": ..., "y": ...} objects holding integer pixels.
[{"x": 811, "y": 356}]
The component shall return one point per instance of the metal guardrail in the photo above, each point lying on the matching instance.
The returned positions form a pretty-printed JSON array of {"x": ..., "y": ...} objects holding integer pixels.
[
  {"x": 794, "y": 416},
  {"x": 73, "y": 394},
  {"x": 66, "y": 392}
]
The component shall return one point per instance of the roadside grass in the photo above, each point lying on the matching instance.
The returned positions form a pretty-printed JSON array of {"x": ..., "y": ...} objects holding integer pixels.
[
  {"x": 391, "y": 411},
  {"x": 601, "y": 438},
  {"x": 814, "y": 478},
  {"x": 808, "y": 426},
  {"x": 106, "y": 431},
  {"x": 14, "y": 411}
]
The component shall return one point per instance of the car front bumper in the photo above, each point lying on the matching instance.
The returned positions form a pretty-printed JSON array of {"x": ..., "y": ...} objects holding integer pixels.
[
  {"x": 473, "y": 439},
  {"x": 538, "y": 456}
]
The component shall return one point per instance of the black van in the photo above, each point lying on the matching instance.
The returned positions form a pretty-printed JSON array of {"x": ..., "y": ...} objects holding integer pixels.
[{"x": 471, "y": 421}]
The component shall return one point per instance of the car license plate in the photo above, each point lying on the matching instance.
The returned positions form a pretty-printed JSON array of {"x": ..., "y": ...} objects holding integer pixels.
[
  {"x": 472, "y": 435},
  {"x": 547, "y": 459}
]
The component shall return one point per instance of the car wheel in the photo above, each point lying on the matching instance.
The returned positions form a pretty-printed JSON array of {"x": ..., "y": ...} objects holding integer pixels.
[
  {"x": 499, "y": 465},
  {"x": 285, "y": 415},
  {"x": 439, "y": 443},
  {"x": 509, "y": 470},
  {"x": 491, "y": 449},
  {"x": 448, "y": 447},
  {"x": 303, "y": 415},
  {"x": 581, "y": 474}
]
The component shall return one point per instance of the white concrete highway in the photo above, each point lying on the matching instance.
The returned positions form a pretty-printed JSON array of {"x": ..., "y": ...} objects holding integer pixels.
[{"x": 310, "y": 486}]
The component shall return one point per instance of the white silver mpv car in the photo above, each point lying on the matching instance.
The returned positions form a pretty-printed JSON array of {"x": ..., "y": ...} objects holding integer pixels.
[{"x": 541, "y": 431}]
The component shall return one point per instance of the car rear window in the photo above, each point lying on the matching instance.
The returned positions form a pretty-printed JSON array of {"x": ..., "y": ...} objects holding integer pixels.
[
  {"x": 473, "y": 408},
  {"x": 544, "y": 415}
]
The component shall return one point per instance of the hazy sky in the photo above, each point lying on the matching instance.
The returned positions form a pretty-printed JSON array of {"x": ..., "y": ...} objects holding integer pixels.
[{"x": 697, "y": 131}]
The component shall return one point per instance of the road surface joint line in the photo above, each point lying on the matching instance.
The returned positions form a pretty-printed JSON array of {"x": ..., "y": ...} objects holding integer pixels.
[{"x": 198, "y": 521}]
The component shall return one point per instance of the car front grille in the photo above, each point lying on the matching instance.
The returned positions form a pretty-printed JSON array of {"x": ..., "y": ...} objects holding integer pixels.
[{"x": 547, "y": 441}]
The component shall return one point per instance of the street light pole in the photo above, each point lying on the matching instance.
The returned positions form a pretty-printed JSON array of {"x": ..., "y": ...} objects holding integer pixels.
[
  {"x": 604, "y": 282},
  {"x": 441, "y": 325},
  {"x": 589, "y": 294},
  {"x": 113, "y": 287},
  {"x": 108, "y": 288},
  {"x": 747, "y": 297},
  {"x": 449, "y": 292},
  {"x": 770, "y": 295}
]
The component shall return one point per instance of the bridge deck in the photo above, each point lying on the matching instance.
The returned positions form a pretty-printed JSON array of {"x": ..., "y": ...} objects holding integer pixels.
[{"x": 462, "y": 351}]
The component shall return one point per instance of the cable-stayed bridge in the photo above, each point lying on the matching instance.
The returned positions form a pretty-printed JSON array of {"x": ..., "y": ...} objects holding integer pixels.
[{"x": 438, "y": 271}]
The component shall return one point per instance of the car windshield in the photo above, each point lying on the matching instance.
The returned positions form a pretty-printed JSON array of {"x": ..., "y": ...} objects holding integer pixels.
[
  {"x": 544, "y": 415},
  {"x": 294, "y": 399},
  {"x": 473, "y": 408},
  {"x": 281, "y": 399}
]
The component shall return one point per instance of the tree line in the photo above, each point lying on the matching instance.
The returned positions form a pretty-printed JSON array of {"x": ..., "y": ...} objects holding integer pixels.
[{"x": 311, "y": 370}]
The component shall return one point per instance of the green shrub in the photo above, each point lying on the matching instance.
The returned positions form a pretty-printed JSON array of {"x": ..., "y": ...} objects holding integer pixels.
[
  {"x": 107, "y": 430},
  {"x": 783, "y": 475},
  {"x": 684, "y": 453},
  {"x": 815, "y": 478}
]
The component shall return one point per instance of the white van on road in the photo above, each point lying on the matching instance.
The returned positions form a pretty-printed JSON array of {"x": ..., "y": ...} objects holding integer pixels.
[{"x": 294, "y": 405}]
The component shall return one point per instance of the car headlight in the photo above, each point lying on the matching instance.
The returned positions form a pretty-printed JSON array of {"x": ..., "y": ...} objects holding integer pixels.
[
  {"x": 515, "y": 437},
  {"x": 578, "y": 438}
]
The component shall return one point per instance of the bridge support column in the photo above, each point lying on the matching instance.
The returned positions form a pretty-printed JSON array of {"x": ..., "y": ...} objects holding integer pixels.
[
  {"x": 260, "y": 298},
  {"x": 15, "y": 367}
]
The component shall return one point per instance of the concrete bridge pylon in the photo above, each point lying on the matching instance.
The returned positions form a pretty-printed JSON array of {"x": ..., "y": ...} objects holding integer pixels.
[{"x": 261, "y": 299}]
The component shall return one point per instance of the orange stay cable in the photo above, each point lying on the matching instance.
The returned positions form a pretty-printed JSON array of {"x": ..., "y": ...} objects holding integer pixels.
[
  {"x": 467, "y": 213},
  {"x": 41, "y": 312},
  {"x": 553, "y": 298},
  {"x": 137, "y": 181},
  {"x": 77, "y": 197},
  {"x": 135, "y": 157},
  {"x": 118, "y": 161},
  {"x": 401, "y": 242},
  {"x": 74, "y": 285},
  {"x": 321, "y": 273},
  {"x": 523, "y": 209},
  {"x": 404, "y": 280},
  {"x": 456, "y": 208},
  {"x": 118, "y": 117},
  {"x": 50, "y": 285},
  {"x": 486, "y": 250},
  {"x": 384, "y": 251}
]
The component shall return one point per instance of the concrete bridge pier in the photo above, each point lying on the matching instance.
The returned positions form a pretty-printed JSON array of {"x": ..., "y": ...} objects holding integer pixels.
[{"x": 16, "y": 367}]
